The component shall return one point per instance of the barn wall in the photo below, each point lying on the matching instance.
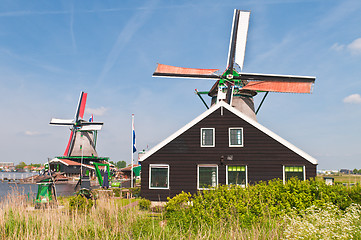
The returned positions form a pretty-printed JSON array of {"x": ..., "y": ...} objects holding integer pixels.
[{"x": 263, "y": 156}]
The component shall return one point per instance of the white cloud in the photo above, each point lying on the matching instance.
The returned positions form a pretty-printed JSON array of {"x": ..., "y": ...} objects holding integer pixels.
[
  {"x": 355, "y": 46},
  {"x": 353, "y": 98},
  {"x": 337, "y": 47},
  {"x": 97, "y": 111},
  {"x": 31, "y": 133}
]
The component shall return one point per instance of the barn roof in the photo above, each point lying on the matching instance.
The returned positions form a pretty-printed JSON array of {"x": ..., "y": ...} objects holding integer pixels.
[
  {"x": 68, "y": 162},
  {"x": 237, "y": 113}
]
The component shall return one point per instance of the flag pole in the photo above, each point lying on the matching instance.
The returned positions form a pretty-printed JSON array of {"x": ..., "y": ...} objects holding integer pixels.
[{"x": 133, "y": 143}]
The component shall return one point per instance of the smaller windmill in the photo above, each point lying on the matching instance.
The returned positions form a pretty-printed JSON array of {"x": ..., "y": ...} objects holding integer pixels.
[
  {"x": 236, "y": 87},
  {"x": 82, "y": 140}
]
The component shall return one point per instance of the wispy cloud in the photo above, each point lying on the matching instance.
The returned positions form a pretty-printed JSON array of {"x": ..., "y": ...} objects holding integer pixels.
[
  {"x": 72, "y": 26},
  {"x": 33, "y": 133},
  {"x": 97, "y": 111},
  {"x": 337, "y": 47},
  {"x": 27, "y": 13},
  {"x": 353, "y": 98},
  {"x": 124, "y": 37},
  {"x": 31, "y": 61},
  {"x": 354, "y": 47}
]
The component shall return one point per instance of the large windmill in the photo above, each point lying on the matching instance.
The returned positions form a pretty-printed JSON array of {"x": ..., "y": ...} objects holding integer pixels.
[
  {"x": 236, "y": 87},
  {"x": 82, "y": 139}
]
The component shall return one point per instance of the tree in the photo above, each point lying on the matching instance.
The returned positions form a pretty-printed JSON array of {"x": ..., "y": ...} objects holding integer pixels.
[
  {"x": 121, "y": 164},
  {"x": 21, "y": 165}
]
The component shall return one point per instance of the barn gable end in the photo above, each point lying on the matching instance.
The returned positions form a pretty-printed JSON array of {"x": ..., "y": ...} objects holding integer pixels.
[{"x": 263, "y": 154}]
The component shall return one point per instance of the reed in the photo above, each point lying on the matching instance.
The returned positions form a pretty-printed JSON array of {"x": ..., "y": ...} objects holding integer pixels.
[
  {"x": 108, "y": 220},
  {"x": 111, "y": 219}
]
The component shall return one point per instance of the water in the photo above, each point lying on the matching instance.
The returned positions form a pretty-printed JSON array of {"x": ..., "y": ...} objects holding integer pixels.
[
  {"x": 16, "y": 175},
  {"x": 62, "y": 189}
]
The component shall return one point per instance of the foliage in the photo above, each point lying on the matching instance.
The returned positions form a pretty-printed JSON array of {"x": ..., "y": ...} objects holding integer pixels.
[
  {"x": 21, "y": 165},
  {"x": 116, "y": 192},
  {"x": 80, "y": 203},
  {"x": 327, "y": 222},
  {"x": 257, "y": 203},
  {"x": 135, "y": 191},
  {"x": 325, "y": 218},
  {"x": 121, "y": 164},
  {"x": 144, "y": 204}
]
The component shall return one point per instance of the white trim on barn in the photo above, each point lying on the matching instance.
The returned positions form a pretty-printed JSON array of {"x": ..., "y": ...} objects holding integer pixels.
[
  {"x": 206, "y": 165},
  {"x": 239, "y": 114},
  {"x": 150, "y": 175}
]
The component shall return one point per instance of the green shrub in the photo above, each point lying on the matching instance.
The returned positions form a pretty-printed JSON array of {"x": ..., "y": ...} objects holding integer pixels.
[
  {"x": 256, "y": 203},
  {"x": 144, "y": 204},
  {"x": 116, "y": 192},
  {"x": 80, "y": 203},
  {"x": 135, "y": 191}
]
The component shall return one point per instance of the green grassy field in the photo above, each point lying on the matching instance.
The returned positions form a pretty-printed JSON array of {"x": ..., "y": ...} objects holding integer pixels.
[{"x": 343, "y": 178}]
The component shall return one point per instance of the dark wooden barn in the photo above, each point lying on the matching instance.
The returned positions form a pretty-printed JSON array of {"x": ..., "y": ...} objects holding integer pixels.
[{"x": 221, "y": 146}]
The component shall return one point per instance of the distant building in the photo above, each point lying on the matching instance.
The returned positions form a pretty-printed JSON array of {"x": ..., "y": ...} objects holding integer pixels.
[
  {"x": 346, "y": 171},
  {"x": 7, "y": 166}
]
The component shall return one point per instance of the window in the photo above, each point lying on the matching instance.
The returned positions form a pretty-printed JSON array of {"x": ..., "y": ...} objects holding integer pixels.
[
  {"x": 237, "y": 175},
  {"x": 294, "y": 172},
  {"x": 207, "y": 176},
  {"x": 158, "y": 176},
  {"x": 236, "y": 137},
  {"x": 207, "y": 137}
]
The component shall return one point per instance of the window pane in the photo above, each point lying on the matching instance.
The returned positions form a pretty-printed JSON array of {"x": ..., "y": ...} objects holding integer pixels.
[
  {"x": 235, "y": 136},
  {"x": 207, "y": 137},
  {"x": 159, "y": 177},
  {"x": 207, "y": 177},
  {"x": 294, "y": 172},
  {"x": 237, "y": 175}
]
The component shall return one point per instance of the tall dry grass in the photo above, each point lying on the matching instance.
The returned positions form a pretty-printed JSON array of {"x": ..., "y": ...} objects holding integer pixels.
[{"x": 109, "y": 220}]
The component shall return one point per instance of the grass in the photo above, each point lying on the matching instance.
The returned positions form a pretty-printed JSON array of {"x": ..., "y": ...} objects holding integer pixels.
[
  {"x": 110, "y": 219},
  {"x": 343, "y": 178}
]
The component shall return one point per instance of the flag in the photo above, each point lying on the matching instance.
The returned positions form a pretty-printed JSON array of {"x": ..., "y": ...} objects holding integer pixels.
[
  {"x": 91, "y": 119},
  {"x": 134, "y": 148}
]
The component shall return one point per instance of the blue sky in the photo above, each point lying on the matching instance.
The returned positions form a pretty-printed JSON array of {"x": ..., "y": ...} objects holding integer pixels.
[{"x": 52, "y": 50}]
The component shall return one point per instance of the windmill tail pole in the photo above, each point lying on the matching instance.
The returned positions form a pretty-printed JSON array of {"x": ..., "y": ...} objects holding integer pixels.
[
  {"x": 264, "y": 97},
  {"x": 199, "y": 95}
]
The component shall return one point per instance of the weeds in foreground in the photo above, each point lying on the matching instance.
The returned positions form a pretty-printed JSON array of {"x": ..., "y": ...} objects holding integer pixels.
[
  {"x": 327, "y": 222},
  {"x": 213, "y": 215}
]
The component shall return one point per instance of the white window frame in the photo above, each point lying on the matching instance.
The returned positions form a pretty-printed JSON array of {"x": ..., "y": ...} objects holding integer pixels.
[
  {"x": 158, "y": 166},
  {"x": 206, "y": 165},
  {"x": 284, "y": 172},
  {"x": 213, "y": 136},
  {"x": 246, "y": 174},
  {"x": 229, "y": 137}
]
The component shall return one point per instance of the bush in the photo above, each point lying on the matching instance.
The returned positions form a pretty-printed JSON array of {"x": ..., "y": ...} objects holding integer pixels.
[
  {"x": 144, "y": 204},
  {"x": 80, "y": 203},
  {"x": 116, "y": 192},
  {"x": 135, "y": 191},
  {"x": 256, "y": 203}
]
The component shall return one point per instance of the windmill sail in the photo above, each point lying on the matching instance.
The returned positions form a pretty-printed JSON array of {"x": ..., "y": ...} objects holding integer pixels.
[
  {"x": 163, "y": 70},
  {"x": 239, "y": 88},
  {"x": 57, "y": 121},
  {"x": 237, "y": 44},
  {"x": 81, "y": 106},
  {"x": 81, "y": 140},
  {"x": 285, "y": 87}
]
